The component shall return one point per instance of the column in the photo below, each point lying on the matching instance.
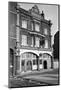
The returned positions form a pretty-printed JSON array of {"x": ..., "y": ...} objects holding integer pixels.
[
  {"x": 18, "y": 43},
  {"x": 51, "y": 62},
  {"x": 37, "y": 63}
]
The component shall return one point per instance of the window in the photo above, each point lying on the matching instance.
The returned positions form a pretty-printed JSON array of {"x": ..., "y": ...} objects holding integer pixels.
[
  {"x": 40, "y": 61},
  {"x": 46, "y": 43},
  {"x": 23, "y": 62},
  {"x": 32, "y": 42},
  {"x": 32, "y": 26},
  {"x": 37, "y": 42},
  {"x": 37, "y": 27},
  {"x": 24, "y": 24},
  {"x": 45, "y": 31},
  {"x": 34, "y": 62},
  {"x": 29, "y": 40},
  {"x": 24, "y": 40},
  {"x": 41, "y": 42}
]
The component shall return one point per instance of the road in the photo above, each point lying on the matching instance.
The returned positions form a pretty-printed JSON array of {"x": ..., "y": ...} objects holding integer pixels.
[{"x": 39, "y": 78}]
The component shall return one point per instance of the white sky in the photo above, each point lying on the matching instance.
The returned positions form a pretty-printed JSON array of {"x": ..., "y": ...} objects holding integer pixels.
[{"x": 51, "y": 13}]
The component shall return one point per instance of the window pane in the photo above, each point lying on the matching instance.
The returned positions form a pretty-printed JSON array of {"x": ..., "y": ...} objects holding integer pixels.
[
  {"x": 24, "y": 40},
  {"x": 23, "y": 62},
  {"x": 32, "y": 26},
  {"x": 29, "y": 40},
  {"x": 37, "y": 42},
  {"x": 45, "y": 31},
  {"x": 41, "y": 42},
  {"x": 24, "y": 23},
  {"x": 46, "y": 43},
  {"x": 36, "y": 27},
  {"x": 40, "y": 61},
  {"x": 34, "y": 62},
  {"x": 32, "y": 42}
]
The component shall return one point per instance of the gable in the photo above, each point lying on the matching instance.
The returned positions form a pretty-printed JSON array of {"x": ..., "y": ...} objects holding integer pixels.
[{"x": 34, "y": 9}]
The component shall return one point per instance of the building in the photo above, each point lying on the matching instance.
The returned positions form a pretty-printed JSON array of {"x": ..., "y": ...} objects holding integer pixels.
[
  {"x": 56, "y": 50},
  {"x": 29, "y": 40},
  {"x": 56, "y": 46}
]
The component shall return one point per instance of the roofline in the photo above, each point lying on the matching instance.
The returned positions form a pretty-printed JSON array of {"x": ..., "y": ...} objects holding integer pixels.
[{"x": 29, "y": 14}]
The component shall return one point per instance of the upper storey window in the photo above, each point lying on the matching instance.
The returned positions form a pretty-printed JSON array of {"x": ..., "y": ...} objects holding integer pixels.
[
  {"x": 24, "y": 23},
  {"x": 32, "y": 26},
  {"x": 37, "y": 27},
  {"x": 46, "y": 43},
  {"x": 24, "y": 40},
  {"x": 37, "y": 42},
  {"x": 45, "y": 31}
]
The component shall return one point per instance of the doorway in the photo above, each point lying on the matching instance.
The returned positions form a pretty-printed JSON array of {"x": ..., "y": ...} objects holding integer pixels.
[
  {"x": 45, "y": 64},
  {"x": 29, "y": 65}
]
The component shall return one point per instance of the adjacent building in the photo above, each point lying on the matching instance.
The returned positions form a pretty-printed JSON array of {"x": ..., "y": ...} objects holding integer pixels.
[
  {"x": 56, "y": 46},
  {"x": 56, "y": 50},
  {"x": 29, "y": 40}
]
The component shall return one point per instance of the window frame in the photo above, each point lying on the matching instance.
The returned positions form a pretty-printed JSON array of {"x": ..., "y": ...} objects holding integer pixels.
[
  {"x": 34, "y": 62},
  {"x": 26, "y": 23},
  {"x": 46, "y": 45},
  {"x": 40, "y": 61},
  {"x": 32, "y": 26},
  {"x": 37, "y": 45},
  {"x": 44, "y": 31},
  {"x": 38, "y": 25},
  {"x": 23, "y": 44},
  {"x": 22, "y": 63}
]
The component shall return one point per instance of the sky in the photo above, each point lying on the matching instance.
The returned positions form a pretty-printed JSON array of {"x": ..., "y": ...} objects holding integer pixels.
[{"x": 51, "y": 13}]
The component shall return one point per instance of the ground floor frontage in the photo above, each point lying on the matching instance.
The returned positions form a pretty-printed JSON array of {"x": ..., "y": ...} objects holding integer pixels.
[{"x": 30, "y": 60}]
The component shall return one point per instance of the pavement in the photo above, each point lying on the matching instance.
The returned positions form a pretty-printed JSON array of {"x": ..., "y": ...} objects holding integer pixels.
[{"x": 36, "y": 78}]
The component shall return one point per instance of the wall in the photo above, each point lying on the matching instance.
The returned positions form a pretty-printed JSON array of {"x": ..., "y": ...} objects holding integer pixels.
[{"x": 55, "y": 64}]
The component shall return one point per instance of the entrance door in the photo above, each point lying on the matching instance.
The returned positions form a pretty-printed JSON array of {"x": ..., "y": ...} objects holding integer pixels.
[
  {"x": 29, "y": 65},
  {"x": 45, "y": 64}
]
